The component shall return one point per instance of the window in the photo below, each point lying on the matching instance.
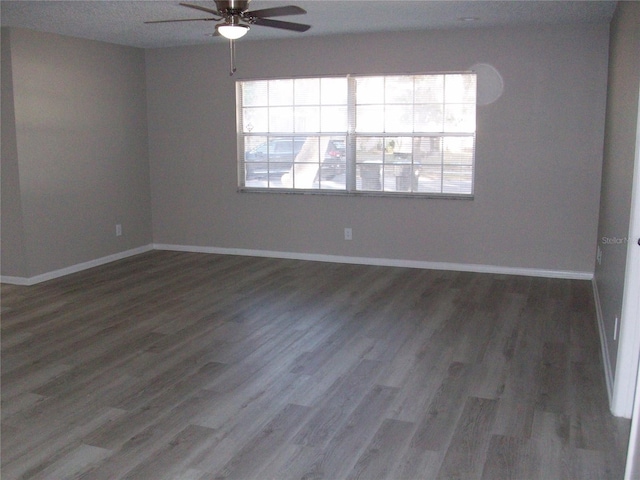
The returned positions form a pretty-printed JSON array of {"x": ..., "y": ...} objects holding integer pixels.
[{"x": 400, "y": 134}]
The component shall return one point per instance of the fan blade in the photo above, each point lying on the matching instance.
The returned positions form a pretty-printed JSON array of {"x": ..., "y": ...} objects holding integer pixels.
[
  {"x": 184, "y": 20},
  {"x": 202, "y": 9},
  {"x": 276, "y": 12},
  {"x": 266, "y": 22}
]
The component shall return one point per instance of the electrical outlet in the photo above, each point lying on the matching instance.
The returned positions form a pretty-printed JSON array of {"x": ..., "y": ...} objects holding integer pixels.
[
  {"x": 348, "y": 234},
  {"x": 118, "y": 230}
]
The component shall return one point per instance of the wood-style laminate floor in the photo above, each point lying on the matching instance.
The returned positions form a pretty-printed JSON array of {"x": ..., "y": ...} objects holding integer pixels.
[{"x": 175, "y": 365}]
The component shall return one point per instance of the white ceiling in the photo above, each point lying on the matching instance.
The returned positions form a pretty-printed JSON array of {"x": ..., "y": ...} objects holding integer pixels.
[{"x": 122, "y": 21}]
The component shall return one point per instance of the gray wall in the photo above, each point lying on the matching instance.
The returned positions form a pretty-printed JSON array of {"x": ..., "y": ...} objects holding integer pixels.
[
  {"x": 13, "y": 258},
  {"x": 618, "y": 165},
  {"x": 539, "y": 151},
  {"x": 77, "y": 158},
  {"x": 80, "y": 161}
]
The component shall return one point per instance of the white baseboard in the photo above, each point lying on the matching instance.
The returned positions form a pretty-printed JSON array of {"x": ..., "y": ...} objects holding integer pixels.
[
  {"x": 608, "y": 373},
  {"x": 74, "y": 268},
  {"x": 384, "y": 262}
]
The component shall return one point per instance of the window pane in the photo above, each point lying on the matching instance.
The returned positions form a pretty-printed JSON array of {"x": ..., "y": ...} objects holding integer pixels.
[
  {"x": 334, "y": 167},
  {"x": 333, "y": 91},
  {"x": 255, "y": 93},
  {"x": 257, "y": 170},
  {"x": 427, "y": 150},
  {"x": 429, "y": 89},
  {"x": 428, "y": 118},
  {"x": 307, "y": 91},
  {"x": 333, "y": 119},
  {"x": 458, "y": 149},
  {"x": 280, "y": 92},
  {"x": 460, "y": 88},
  {"x": 368, "y": 177},
  {"x": 268, "y": 158},
  {"x": 309, "y": 151},
  {"x": 369, "y": 149},
  {"x": 398, "y": 118},
  {"x": 400, "y": 178},
  {"x": 307, "y": 119},
  {"x": 276, "y": 173},
  {"x": 281, "y": 119},
  {"x": 306, "y": 170},
  {"x": 256, "y": 155},
  {"x": 399, "y": 149},
  {"x": 459, "y": 118},
  {"x": 430, "y": 178},
  {"x": 370, "y": 118},
  {"x": 399, "y": 89},
  {"x": 282, "y": 147},
  {"x": 457, "y": 179},
  {"x": 302, "y": 176},
  {"x": 255, "y": 119},
  {"x": 369, "y": 90},
  {"x": 256, "y": 143}
]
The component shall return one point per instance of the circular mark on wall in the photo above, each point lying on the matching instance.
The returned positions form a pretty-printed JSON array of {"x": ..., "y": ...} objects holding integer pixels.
[{"x": 490, "y": 83}]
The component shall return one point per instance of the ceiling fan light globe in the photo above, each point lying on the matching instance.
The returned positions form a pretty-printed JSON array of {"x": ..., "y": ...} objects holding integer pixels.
[{"x": 232, "y": 32}]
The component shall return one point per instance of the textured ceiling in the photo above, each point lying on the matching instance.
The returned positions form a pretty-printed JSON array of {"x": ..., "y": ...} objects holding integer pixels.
[{"x": 122, "y": 21}]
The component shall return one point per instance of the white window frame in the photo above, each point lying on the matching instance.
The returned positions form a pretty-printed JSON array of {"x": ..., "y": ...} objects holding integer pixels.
[{"x": 351, "y": 136}]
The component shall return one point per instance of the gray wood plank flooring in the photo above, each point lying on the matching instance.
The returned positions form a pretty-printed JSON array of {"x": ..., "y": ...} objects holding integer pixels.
[{"x": 174, "y": 365}]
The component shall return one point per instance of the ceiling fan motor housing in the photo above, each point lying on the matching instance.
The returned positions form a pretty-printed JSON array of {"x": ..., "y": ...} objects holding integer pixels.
[{"x": 232, "y": 7}]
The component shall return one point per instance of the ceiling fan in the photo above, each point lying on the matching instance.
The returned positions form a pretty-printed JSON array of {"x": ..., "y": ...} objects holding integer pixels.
[{"x": 235, "y": 20}]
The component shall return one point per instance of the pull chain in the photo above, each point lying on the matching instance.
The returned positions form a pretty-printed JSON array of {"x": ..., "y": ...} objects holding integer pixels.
[{"x": 232, "y": 55}]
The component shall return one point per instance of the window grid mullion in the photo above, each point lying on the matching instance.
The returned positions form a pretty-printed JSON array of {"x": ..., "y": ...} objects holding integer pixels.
[{"x": 350, "y": 153}]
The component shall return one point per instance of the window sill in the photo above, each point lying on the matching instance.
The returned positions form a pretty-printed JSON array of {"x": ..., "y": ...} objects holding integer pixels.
[{"x": 342, "y": 193}]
